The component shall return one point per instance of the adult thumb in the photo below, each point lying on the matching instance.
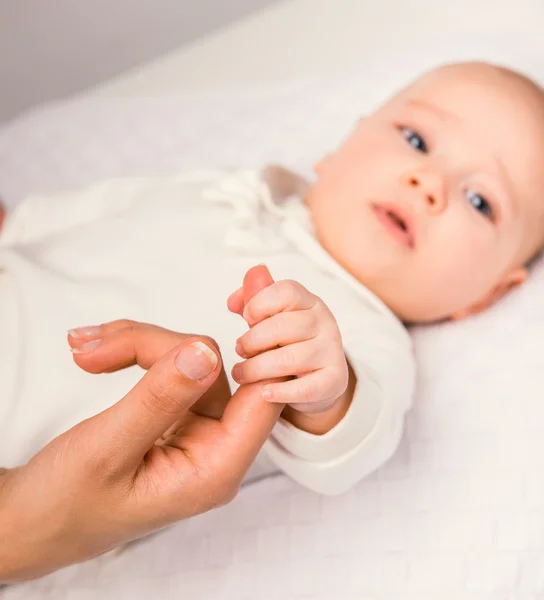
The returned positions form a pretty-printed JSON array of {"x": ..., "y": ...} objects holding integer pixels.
[{"x": 163, "y": 396}]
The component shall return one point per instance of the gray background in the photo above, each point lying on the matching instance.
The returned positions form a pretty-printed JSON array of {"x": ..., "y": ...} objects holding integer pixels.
[{"x": 52, "y": 48}]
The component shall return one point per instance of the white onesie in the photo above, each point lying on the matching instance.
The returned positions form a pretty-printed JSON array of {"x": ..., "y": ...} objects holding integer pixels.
[{"x": 169, "y": 251}]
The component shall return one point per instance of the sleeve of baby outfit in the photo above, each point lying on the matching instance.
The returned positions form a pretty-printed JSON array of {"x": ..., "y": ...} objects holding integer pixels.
[
  {"x": 40, "y": 216},
  {"x": 382, "y": 359}
]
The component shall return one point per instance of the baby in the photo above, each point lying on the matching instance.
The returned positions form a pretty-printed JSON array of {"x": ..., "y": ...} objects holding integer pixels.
[{"x": 430, "y": 210}]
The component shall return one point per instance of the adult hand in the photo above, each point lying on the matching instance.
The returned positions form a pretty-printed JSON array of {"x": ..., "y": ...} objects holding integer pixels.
[{"x": 140, "y": 465}]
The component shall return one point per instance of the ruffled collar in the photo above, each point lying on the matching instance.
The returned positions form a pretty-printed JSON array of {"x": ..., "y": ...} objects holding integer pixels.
[{"x": 262, "y": 224}]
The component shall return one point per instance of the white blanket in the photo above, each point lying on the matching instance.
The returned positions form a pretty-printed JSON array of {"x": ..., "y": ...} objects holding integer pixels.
[{"x": 458, "y": 514}]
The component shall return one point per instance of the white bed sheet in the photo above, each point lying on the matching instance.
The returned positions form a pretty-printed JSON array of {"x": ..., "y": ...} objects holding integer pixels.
[
  {"x": 459, "y": 512},
  {"x": 295, "y": 39}
]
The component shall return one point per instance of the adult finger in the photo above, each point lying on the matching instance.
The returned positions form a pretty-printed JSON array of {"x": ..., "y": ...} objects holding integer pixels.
[
  {"x": 235, "y": 302},
  {"x": 119, "y": 344},
  {"x": 126, "y": 343},
  {"x": 256, "y": 279},
  {"x": 248, "y": 421}
]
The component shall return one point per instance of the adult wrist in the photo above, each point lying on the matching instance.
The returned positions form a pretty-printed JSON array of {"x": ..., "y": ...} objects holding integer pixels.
[{"x": 16, "y": 555}]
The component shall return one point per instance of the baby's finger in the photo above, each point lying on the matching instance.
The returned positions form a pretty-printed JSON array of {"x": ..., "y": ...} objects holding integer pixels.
[
  {"x": 235, "y": 302},
  {"x": 280, "y": 330},
  {"x": 280, "y": 297},
  {"x": 311, "y": 393},
  {"x": 301, "y": 357}
]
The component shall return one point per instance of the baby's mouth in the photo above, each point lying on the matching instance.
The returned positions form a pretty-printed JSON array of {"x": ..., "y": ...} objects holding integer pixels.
[{"x": 396, "y": 223}]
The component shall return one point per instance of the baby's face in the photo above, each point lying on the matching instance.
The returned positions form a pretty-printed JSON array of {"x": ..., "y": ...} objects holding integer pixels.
[{"x": 435, "y": 202}]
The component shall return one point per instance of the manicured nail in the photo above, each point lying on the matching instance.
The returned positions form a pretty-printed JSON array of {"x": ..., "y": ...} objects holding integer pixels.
[
  {"x": 196, "y": 361},
  {"x": 84, "y": 332},
  {"x": 266, "y": 392},
  {"x": 239, "y": 350},
  {"x": 87, "y": 347}
]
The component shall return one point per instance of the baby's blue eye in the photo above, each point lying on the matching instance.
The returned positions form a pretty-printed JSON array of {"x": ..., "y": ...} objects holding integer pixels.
[
  {"x": 414, "y": 139},
  {"x": 480, "y": 204}
]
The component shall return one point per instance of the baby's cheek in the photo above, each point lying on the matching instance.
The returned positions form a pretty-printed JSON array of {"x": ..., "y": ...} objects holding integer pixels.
[{"x": 459, "y": 274}]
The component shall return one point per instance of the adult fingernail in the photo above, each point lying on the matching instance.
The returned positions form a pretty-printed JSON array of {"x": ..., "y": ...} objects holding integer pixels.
[
  {"x": 87, "y": 347},
  {"x": 84, "y": 332},
  {"x": 196, "y": 361}
]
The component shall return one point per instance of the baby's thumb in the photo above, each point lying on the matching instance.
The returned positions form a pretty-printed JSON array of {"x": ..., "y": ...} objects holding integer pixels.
[{"x": 255, "y": 280}]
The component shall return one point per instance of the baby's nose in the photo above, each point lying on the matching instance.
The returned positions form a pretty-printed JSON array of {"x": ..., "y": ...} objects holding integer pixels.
[{"x": 431, "y": 188}]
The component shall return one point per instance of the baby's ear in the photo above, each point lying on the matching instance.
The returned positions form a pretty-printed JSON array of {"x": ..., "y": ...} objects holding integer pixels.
[{"x": 512, "y": 280}]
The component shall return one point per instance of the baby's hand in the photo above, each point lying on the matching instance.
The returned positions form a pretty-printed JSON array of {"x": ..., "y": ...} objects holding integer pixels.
[{"x": 292, "y": 334}]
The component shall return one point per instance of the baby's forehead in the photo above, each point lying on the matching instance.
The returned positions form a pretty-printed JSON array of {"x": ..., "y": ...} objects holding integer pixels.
[
  {"x": 482, "y": 78},
  {"x": 500, "y": 107}
]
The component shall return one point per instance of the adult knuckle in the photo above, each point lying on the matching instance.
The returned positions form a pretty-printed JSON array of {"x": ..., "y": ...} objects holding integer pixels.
[
  {"x": 160, "y": 396},
  {"x": 126, "y": 324}
]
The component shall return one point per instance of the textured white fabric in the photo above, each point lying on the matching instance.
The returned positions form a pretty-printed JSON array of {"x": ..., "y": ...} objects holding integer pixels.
[
  {"x": 457, "y": 514},
  {"x": 169, "y": 251}
]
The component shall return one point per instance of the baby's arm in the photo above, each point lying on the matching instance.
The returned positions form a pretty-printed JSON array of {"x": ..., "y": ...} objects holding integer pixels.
[
  {"x": 362, "y": 426},
  {"x": 367, "y": 436},
  {"x": 322, "y": 422},
  {"x": 40, "y": 216}
]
